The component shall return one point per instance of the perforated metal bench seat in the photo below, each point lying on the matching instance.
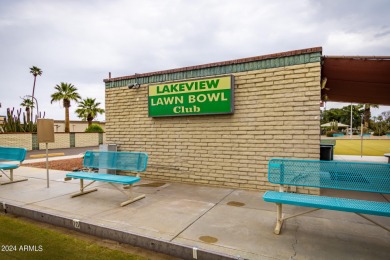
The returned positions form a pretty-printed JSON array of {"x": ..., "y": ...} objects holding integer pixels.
[
  {"x": 331, "y": 203},
  {"x": 124, "y": 161},
  {"x": 342, "y": 175},
  {"x": 12, "y": 155},
  {"x": 7, "y": 166},
  {"x": 120, "y": 179}
]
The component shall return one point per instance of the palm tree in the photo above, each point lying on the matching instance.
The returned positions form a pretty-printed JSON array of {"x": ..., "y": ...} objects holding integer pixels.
[
  {"x": 367, "y": 114},
  {"x": 36, "y": 72},
  {"x": 88, "y": 109},
  {"x": 65, "y": 92},
  {"x": 28, "y": 104}
]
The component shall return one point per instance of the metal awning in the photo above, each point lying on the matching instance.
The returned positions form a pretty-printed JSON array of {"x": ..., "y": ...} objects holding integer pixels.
[
  {"x": 340, "y": 125},
  {"x": 357, "y": 79}
]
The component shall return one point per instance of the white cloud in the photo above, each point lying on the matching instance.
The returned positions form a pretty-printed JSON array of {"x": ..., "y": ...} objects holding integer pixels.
[{"x": 352, "y": 43}]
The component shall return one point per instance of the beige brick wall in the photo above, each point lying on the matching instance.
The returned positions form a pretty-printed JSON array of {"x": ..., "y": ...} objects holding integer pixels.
[
  {"x": 86, "y": 139},
  {"x": 276, "y": 114},
  {"x": 61, "y": 140},
  {"x": 16, "y": 140}
]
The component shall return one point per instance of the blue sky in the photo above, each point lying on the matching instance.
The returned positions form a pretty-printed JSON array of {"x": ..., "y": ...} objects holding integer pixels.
[{"x": 79, "y": 42}]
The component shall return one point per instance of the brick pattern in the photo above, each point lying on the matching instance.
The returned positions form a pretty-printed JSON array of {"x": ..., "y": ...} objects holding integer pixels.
[
  {"x": 276, "y": 115},
  {"x": 62, "y": 140},
  {"x": 86, "y": 139},
  {"x": 21, "y": 140}
]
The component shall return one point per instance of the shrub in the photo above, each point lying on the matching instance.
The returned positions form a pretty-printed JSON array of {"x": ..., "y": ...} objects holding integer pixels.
[
  {"x": 379, "y": 132},
  {"x": 330, "y": 133},
  {"x": 13, "y": 124},
  {"x": 94, "y": 128}
]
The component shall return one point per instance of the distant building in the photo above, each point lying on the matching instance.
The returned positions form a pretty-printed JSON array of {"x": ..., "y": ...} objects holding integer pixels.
[{"x": 75, "y": 126}]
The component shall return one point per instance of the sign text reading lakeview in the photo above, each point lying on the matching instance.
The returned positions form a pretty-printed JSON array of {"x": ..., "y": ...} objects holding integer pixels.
[{"x": 193, "y": 97}]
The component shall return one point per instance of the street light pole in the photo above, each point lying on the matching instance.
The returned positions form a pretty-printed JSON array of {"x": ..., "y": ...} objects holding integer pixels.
[
  {"x": 350, "y": 133},
  {"x": 361, "y": 137}
]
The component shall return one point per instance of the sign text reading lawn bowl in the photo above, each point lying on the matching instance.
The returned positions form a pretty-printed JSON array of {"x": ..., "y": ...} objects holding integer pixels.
[{"x": 195, "y": 97}]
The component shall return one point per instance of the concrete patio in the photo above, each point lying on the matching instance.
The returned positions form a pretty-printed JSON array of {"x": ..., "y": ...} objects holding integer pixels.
[{"x": 197, "y": 222}]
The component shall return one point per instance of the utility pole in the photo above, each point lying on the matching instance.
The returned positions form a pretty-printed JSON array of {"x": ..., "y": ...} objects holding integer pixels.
[
  {"x": 350, "y": 133},
  {"x": 361, "y": 137}
]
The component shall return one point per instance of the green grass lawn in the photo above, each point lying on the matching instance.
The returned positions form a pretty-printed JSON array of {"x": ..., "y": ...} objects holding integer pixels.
[
  {"x": 23, "y": 240},
  {"x": 370, "y": 147}
]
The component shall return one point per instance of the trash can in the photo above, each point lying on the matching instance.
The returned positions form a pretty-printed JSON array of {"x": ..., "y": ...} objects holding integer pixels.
[{"x": 326, "y": 152}]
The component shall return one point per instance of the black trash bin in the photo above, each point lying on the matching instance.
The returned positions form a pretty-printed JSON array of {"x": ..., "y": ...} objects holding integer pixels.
[{"x": 326, "y": 152}]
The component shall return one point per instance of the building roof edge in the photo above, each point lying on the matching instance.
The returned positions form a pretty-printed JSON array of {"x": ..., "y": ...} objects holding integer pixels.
[{"x": 222, "y": 63}]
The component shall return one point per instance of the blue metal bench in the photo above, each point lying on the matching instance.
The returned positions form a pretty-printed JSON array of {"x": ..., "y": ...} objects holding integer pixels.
[
  {"x": 12, "y": 154},
  {"x": 338, "y": 135},
  {"x": 356, "y": 176},
  {"x": 124, "y": 161}
]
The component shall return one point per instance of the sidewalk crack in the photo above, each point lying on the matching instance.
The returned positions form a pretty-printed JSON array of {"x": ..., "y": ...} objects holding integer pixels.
[
  {"x": 295, "y": 242},
  {"x": 204, "y": 213}
]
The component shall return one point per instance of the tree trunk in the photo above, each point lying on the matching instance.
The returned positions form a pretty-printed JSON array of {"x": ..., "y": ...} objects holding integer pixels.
[
  {"x": 67, "y": 120},
  {"x": 28, "y": 114},
  {"x": 32, "y": 97},
  {"x": 367, "y": 115},
  {"x": 89, "y": 119}
]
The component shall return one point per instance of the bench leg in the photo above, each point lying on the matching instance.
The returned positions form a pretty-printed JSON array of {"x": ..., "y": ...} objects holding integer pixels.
[
  {"x": 11, "y": 178},
  {"x": 132, "y": 200},
  {"x": 129, "y": 194},
  {"x": 279, "y": 218},
  {"x": 82, "y": 189}
]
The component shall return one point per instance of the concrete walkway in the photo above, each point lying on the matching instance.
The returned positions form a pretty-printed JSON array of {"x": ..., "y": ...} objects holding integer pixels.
[
  {"x": 65, "y": 151},
  {"x": 198, "y": 222}
]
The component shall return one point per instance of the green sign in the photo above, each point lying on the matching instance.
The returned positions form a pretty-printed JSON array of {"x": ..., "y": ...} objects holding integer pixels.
[{"x": 195, "y": 97}]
